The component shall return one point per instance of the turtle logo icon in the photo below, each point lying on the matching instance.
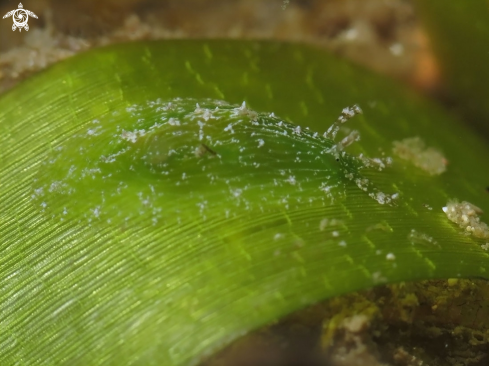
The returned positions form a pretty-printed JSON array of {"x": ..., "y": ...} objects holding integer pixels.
[{"x": 20, "y": 17}]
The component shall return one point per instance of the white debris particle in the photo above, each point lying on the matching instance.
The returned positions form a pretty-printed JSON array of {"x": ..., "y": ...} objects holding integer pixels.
[
  {"x": 390, "y": 257},
  {"x": 485, "y": 246},
  {"x": 261, "y": 142},
  {"x": 356, "y": 324},
  {"x": 278, "y": 236},
  {"x": 416, "y": 237},
  {"x": 397, "y": 49},
  {"x": 297, "y": 130},
  {"x": 382, "y": 198},
  {"x": 377, "y": 278},
  {"x": 342, "y": 244},
  {"x": 466, "y": 215},
  {"x": 350, "y": 34},
  {"x": 414, "y": 149},
  {"x": 324, "y": 223},
  {"x": 383, "y": 226},
  {"x": 335, "y": 234}
]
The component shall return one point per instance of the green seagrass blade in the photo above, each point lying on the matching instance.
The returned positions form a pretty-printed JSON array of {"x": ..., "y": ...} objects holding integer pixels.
[
  {"x": 460, "y": 34},
  {"x": 149, "y": 216}
]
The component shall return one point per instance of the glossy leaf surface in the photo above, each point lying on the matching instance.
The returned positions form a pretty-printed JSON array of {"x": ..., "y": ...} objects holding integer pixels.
[{"x": 134, "y": 231}]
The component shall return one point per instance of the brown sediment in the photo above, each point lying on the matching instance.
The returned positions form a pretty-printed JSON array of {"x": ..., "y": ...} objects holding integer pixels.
[
  {"x": 384, "y": 36},
  {"x": 434, "y": 323}
]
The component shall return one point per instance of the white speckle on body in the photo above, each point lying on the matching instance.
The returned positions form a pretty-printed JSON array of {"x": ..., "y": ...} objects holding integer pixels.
[
  {"x": 96, "y": 211},
  {"x": 229, "y": 128},
  {"x": 173, "y": 122},
  {"x": 291, "y": 180},
  {"x": 132, "y": 136}
]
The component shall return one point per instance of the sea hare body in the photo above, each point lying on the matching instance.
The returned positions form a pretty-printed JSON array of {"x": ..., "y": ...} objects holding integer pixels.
[{"x": 215, "y": 159}]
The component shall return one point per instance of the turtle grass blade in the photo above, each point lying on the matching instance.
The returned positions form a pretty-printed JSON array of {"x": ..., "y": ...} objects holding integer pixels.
[{"x": 149, "y": 216}]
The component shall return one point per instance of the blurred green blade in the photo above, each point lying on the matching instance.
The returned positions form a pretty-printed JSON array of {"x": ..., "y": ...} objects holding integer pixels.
[
  {"x": 112, "y": 255},
  {"x": 460, "y": 35}
]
